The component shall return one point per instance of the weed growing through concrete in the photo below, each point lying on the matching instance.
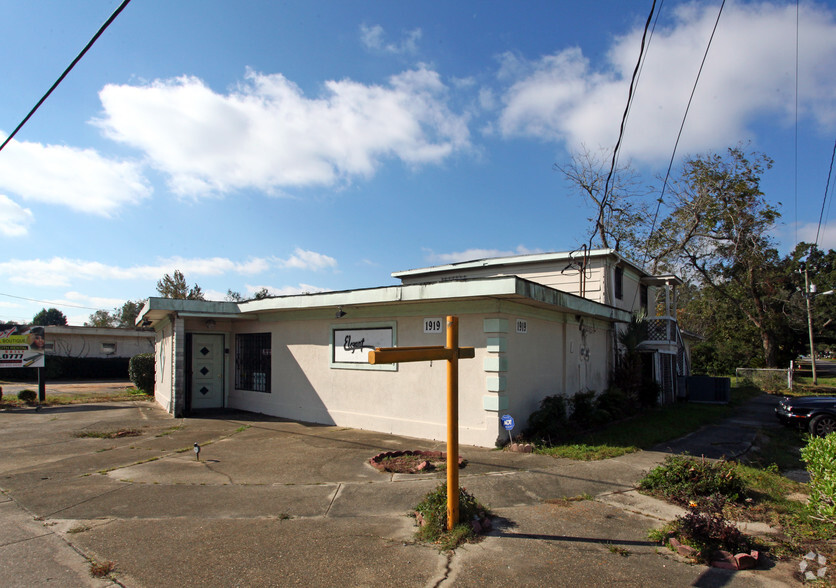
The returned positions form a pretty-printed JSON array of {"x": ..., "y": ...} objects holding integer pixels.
[
  {"x": 102, "y": 569},
  {"x": 78, "y": 529},
  {"x": 431, "y": 515},
  {"x": 114, "y": 434}
]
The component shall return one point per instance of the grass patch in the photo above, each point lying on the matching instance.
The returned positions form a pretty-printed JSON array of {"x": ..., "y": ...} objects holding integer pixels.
[
  {"x": 126, "y": 394},
  {"x": 586, "y": 452},
  {"x": 648, "y": 429}
]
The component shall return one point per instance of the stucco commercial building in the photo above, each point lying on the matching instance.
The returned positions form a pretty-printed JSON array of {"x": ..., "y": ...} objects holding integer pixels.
[{"x": 540, "y": 324}]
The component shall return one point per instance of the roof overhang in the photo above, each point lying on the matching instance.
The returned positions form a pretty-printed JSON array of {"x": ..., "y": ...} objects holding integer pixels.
[
  {"x": 519, "y": 259},
  {"x": 665, "y": 280},
  {"x": 509, "y": 288}
]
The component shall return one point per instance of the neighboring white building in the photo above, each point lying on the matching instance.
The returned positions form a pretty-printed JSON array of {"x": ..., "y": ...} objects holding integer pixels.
[
  {"x": 540, "y": 324},
  {"x": 99, "y": 342}
]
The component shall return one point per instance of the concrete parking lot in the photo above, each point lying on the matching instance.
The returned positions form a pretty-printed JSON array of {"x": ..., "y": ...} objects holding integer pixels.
[{"x": 272, "y": 502}]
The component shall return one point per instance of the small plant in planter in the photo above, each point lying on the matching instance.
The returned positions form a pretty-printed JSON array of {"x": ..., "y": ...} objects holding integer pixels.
[{"x": 431, "y": 516}]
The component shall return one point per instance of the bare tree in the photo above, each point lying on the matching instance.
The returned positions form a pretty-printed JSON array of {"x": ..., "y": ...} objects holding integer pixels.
[{"x": 620, "y": 211}]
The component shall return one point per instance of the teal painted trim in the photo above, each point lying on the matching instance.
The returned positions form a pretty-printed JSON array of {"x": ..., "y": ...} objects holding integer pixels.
[
  {"x": 496, "y": 325},
  {"x": 495, "y": 403},
  {"x": 387, "y": 311},
  {"x": 496, "y": 364},
  {"x": 497, "y": 344},
  {"x": 496, "y": 383}
]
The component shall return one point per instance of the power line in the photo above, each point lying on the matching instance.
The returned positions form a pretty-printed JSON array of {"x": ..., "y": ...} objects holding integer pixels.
[
  {"x": 826, "y": 188},
  {"x": 630, "y": 94},
  {"x": 49, "y": 302},
  {"x": 679, "y": 134},
  {"x": 66, "y": 71}
]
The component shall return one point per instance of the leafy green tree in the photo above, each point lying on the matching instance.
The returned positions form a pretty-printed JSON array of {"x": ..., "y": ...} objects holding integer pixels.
[
  {"x": 123, "y": 316},
  {"x": 718, "y": 236},
  {"x": 176, "y": 287},
  {"x": 126, "y": 314},
  {"x": 233, "y": 296},
  {"x": 100, "y": 318},
  {"x": 53, "y": 316}
]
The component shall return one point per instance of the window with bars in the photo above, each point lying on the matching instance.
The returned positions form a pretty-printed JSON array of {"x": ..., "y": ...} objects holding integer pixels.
[{"x": 253, "y": 353}]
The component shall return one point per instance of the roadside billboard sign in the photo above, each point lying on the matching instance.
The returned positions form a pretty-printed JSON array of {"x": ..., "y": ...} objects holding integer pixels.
[{"x": 21, "y": 346}]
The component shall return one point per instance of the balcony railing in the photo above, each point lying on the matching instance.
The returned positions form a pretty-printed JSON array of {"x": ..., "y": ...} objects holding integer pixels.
[{"x": 661, "y": 328}]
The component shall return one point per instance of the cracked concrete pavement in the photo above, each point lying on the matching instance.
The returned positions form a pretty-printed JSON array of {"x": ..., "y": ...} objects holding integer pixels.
[{"x": 273, "y": 502}]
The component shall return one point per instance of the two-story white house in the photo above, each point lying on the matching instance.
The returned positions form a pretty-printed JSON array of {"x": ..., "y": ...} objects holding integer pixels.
[{"x": 540, "y": 324}]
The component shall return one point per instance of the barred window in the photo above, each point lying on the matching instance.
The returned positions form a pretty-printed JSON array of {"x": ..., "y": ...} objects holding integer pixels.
[{"x": 252, "y": 362}]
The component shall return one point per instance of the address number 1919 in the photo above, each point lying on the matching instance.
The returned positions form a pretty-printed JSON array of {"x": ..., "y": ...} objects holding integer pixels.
[{"x": 433, "y": 325}]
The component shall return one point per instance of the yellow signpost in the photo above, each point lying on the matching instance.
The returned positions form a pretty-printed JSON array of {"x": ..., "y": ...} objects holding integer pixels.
[{"x": 452, "y": 353}]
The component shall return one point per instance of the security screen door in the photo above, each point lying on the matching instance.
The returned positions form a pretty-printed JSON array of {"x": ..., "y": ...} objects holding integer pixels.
[{"x": 207, "y": 371}]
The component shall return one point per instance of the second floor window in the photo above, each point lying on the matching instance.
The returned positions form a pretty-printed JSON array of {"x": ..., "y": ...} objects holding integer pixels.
[{"x": 619, "y": 283}]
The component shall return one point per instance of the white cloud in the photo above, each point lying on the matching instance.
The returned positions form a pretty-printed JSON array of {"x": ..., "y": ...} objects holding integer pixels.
[
  {"x": 267, "y": 135},
  {"x": 80, "y": 179},
  {"x": 15, "y": 219},
  {"x": 809, "y": 231},
  {"x": 373, "y": 37},
  {"x": 80, "y": 299},
  {"x": 749, "y": 74},
  {"x": 61, "y": 271},
  {"x": 474, "y": 254},
  {"x": 308, "y": 260}
]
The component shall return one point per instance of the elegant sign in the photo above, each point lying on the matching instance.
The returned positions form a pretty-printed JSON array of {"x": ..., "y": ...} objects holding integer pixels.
[
  {"x": 21, "y": 346},
  {"x": 353, "y": 345}
]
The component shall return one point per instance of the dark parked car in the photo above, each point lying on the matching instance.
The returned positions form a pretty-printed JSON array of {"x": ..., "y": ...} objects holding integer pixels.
[{"x": 817, "y": 414}]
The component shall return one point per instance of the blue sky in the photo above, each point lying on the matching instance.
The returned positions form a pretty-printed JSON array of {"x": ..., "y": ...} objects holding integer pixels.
[{"x": 309, "y": 146}]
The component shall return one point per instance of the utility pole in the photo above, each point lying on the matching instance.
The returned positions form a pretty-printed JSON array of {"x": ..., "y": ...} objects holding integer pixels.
[{"x": 807, "y": 295}]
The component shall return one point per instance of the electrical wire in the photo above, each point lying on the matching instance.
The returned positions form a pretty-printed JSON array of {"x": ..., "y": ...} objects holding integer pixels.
[
  {"x": 49, "y": 302},
  {"x": 630, "y": 94},
  {"x": 679, "y": 136},
  {"x": 66, "y": 71},
  {"x": 826, "y": 189}
]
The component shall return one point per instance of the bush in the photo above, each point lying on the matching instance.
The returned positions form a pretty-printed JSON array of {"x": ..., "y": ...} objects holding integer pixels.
[
  {"x": 615, "y": 402},
  {"x": 548, "y": 423},
  {"x": 141, "y": 372},
  {"x": 27, "y": 396},
  {"x": 683, "y": 479},
  {"x": 585, "y": 412},
  {"x": 820, "y": 455},
  {"x": 705, "y": 528}
]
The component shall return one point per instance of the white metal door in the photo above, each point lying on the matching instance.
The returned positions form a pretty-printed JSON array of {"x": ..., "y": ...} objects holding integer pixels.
[{"x": 207, "y": 371}]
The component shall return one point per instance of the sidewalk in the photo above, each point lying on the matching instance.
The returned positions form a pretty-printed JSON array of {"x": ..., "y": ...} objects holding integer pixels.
[{"x": 275, "y": 503}]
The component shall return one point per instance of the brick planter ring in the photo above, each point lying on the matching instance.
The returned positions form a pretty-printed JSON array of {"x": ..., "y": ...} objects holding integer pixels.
[{"x": 411, "y": 462}]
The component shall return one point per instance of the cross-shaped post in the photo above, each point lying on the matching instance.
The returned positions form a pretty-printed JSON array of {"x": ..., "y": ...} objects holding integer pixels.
[{"x": 452, "y": 353}]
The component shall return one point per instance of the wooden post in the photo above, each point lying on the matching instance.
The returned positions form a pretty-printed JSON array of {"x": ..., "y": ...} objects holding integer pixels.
[
  {"x": 452, "y": 422},
  {"x": 452, "y": 353}
]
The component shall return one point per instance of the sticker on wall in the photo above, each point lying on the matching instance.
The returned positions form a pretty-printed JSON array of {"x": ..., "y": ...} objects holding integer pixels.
[
  {"x": 433, "y": 325},
  {"x": 353, "y": 345},
  {"x": 522, "y": 326}
]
